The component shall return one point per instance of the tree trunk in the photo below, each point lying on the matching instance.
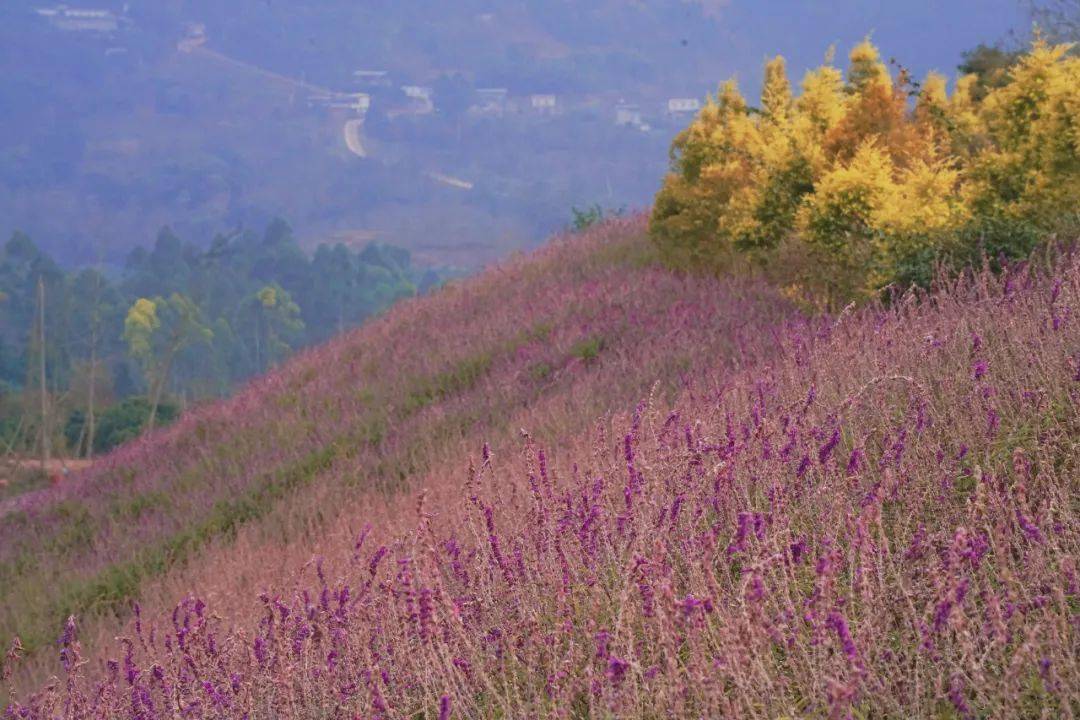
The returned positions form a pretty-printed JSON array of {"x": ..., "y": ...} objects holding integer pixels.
[
  {"x": 258, "y": 353},
  {"x": 159, "y": 388},
  {"x": 90, "y": 395},
  {"x": 46, "y": 450}
]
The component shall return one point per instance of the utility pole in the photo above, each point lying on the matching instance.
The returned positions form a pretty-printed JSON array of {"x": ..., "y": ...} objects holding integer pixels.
[
  {"x": 94, "y": 321},
  {"x": 45, "y": 449}
]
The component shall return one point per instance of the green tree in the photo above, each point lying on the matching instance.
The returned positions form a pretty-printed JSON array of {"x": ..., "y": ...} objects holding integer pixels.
[
  {"x": 275, "y": 324},
  {"x": 155, "y": 331},
  {"x": 990, "y": 65},
  {"x": 95, "y": 306}
]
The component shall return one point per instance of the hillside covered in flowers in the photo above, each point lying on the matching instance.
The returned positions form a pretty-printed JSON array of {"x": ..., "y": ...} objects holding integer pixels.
[
  {"x": 618, "y": 492},
  {"x": 802, "y": 443}
]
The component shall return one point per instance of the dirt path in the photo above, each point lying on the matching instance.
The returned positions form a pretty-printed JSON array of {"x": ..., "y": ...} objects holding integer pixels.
[{"x": 353, "y": 139}]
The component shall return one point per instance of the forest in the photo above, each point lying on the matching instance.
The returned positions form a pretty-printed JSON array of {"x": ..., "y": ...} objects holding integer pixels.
[{"x": 88, "y": 357}]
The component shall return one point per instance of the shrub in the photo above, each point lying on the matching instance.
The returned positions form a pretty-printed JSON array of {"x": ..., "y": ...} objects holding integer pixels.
[{"x": 588, "y": 350}]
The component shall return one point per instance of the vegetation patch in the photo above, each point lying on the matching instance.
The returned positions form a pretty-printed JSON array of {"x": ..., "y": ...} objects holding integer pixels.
[{"x": 588, "y": 349}]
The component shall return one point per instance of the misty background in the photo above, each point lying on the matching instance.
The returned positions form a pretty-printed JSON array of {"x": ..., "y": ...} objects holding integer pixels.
[{"x": 457, "y": 130}]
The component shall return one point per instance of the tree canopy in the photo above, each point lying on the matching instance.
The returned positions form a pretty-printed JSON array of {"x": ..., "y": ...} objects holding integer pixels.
[{"x": 868, "y": 179}]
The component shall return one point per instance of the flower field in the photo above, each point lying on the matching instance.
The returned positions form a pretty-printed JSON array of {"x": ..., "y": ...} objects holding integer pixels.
[{"x": 583, "y": 486}]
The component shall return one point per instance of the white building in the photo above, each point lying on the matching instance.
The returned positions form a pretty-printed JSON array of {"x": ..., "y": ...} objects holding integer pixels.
[
  {"x": 72, "y": 19},
  {"x": 418, "y": 92},
  {"x": 683, "y": 106},
  {"x": 629, "y": 115},
  {"x": 543, "y": 103},
  {"x": 491, "y": 101},
  {"x": 372, "y": 78},
  {"x": 359, "y": 103},
  {"x": 422, "y": 98}
]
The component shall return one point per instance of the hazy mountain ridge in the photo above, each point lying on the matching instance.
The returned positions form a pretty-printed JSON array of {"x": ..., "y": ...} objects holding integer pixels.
[
  {"x": 112, "y": 135},
  {"x": 109, "y": 136}
]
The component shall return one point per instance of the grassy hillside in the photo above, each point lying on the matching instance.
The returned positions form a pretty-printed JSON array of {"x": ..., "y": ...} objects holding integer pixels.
[
  {"x": 549, "y": 342},
  {"x": 580, "y": 485}
]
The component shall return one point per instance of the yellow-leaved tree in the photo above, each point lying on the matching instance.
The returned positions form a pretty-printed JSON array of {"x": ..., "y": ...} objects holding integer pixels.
[{"x": 867, "y": 179}]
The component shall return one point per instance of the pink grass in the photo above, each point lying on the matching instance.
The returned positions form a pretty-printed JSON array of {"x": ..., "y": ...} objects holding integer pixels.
[{"x": 868, "y": 515}]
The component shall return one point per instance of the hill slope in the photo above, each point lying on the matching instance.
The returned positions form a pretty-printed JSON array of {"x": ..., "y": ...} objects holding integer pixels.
[
  {"x": 549, "y": 342},
  {"x": 582, "y": 486}
]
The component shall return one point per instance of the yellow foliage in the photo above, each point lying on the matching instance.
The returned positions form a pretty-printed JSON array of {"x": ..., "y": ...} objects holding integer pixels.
[
  {"x": 863, "y": 179},
  {"x": 849, "y": 198},
  {"x": 923, "y": 200},
  {"x": 268, "y": 296},
  {"x": 821, "y": 104},
  {"x": 776, "y": 93},
  {"x": 139, "y": 325},
  {"x": 866, "y": 69}
]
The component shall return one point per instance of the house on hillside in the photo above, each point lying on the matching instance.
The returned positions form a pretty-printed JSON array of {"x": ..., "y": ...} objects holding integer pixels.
[
  {"x": 358, "y": 103},
  {"x": 421, "y": 99},
  {"x": 629, "y": 115},
  {"x": 194, "y": 37},
  {"x": 544, "y": 104},
  {"x": 678, "y": 107},
  {"x": 373, "y": 78},
  {"x": 491, "y": 101},
  {"x": 69, "y": 19}
]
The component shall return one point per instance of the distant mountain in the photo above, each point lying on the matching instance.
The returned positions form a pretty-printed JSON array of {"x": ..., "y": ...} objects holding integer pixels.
[{"x": 209, "y": 116}]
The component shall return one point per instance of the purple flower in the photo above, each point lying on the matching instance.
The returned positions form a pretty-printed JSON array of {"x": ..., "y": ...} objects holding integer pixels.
[
  {"x": 215, "y": 695},
  {"x": 798, "y": 550},
  {"x": 373, "y": 566},
  {"x": 839, "y": 625},
  {"x": 131, "y": 672},
  {"x": 260, "y": 651},
  {"x": 804, "y": 465},
  {"x": 956, "y": 697},
  {"x": 69, "y": 646},
  {"x": 978, "y": 370},
  {"x": 426, "y": 612},
  {"x": 690, "y": 604},
  {"x": 444, "y": 707},
  {"x": 827, "y": 449},
  {"x": 855, "y": 462},
  {"x": 1030, "y": 529},
  {"x": 742, "y": 531},
  {"x": 616, "y": 669},
  {"x": 463, "y": 665},
  {"x": 756, "y": 589},
  {"x": 915, "y": 550},
  {"x": 945, "y": 606}
]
